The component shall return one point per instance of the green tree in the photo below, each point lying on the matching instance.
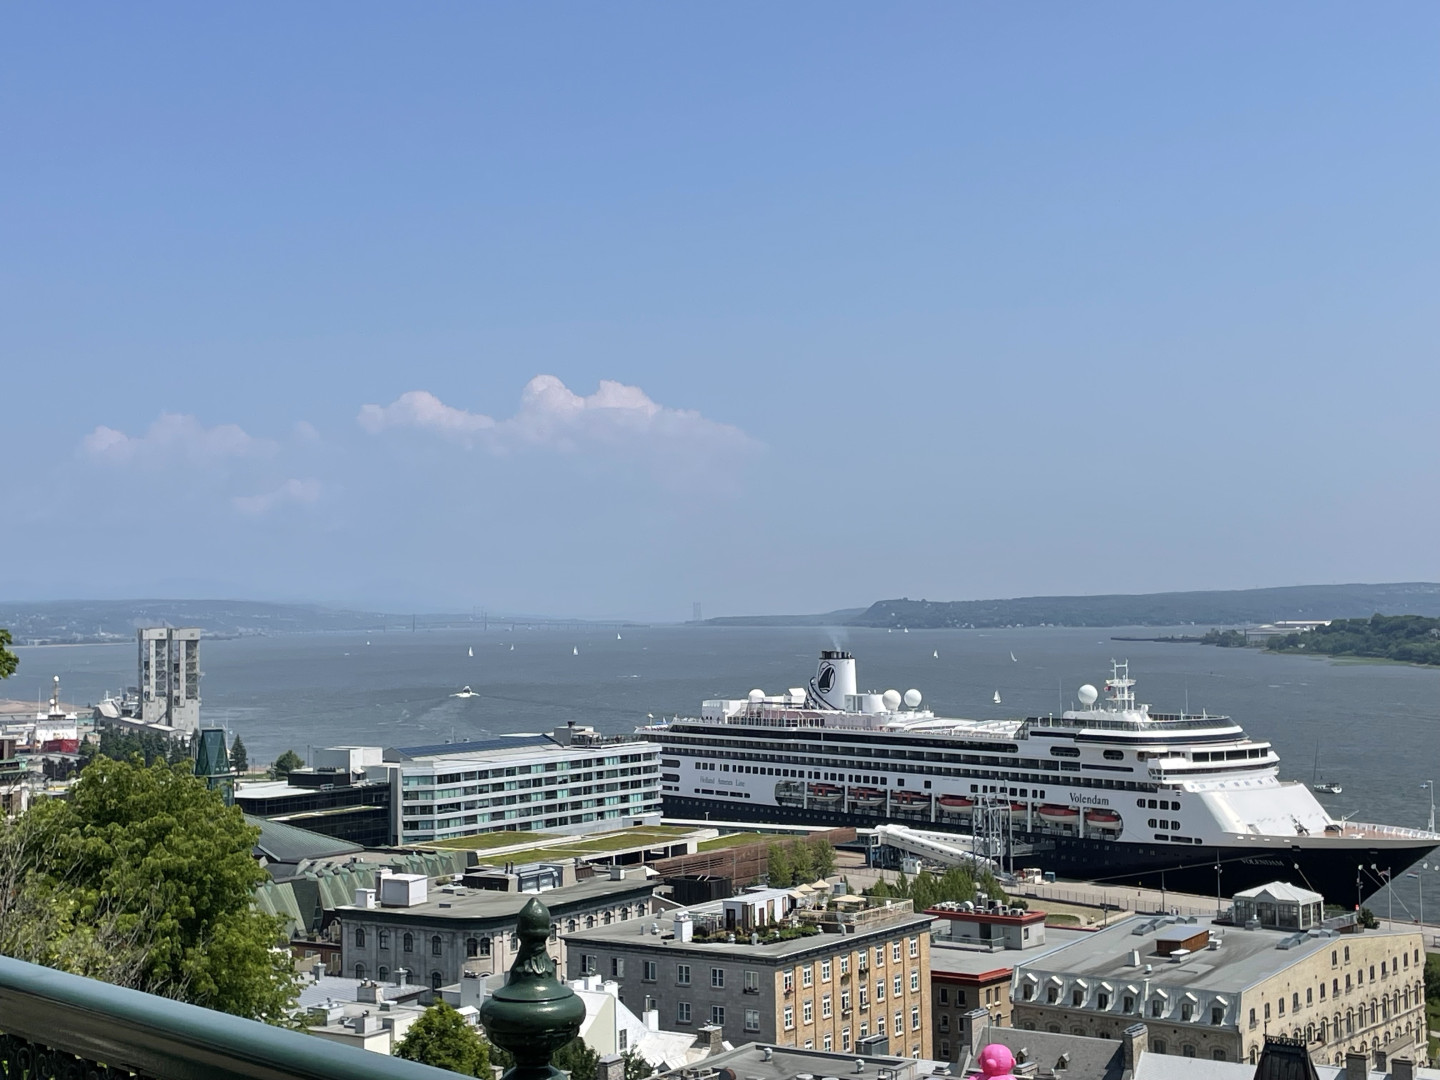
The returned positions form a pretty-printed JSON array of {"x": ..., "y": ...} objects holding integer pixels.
[
  {"x": 636, "y": 1067},
  {"x": 8, "y": 660},
  {"x": 577, "y": 1059},
  {"x": 286, "y": 763},
  {"x": 150, "y": 863},
  {"x": 1368, "y": 919},
  {"x": 823, "y": 855},
  {"x": 239, "y": 760},
  {"x": 442, "y": 1038},
  {"x": 779, "y": 871},
  {"x": 802, "y": 863}
]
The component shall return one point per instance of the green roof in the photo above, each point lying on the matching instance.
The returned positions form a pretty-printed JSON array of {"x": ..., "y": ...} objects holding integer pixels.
[{"x": 289, "y": 844}]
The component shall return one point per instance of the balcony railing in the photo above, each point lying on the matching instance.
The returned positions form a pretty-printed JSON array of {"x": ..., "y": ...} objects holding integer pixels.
[{"x": 56, "y": 1026}]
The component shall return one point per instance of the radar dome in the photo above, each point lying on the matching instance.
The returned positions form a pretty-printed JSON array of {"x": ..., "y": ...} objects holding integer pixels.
[
  {"x": 912, "y": 698},
  {"x": 757, "y": 695},
  {"x": 891, "y": 698},
  {"x": 1088, "y": 694}
]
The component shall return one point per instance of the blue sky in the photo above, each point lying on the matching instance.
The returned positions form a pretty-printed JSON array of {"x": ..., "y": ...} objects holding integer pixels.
[{"x": 604, "y": 309}]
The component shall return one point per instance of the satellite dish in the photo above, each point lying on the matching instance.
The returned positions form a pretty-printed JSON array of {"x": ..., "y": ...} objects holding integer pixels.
[
  {"x": 891, "y": 698},
  {"x": 1088, "y": 694},
  {"x": 757, "y": 695},
  {"x": 912, "y": 698}
]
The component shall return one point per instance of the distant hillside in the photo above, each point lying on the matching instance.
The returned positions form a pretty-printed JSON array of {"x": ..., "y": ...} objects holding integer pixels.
[
  {"x": 1165, "y": 609},
  {"x": 1213, "y": 608},
  {"x": 842, "y": 617}
]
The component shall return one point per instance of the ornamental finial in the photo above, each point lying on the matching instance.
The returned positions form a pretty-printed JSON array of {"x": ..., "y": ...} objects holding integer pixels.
[{"x": 534, "y": 1013}]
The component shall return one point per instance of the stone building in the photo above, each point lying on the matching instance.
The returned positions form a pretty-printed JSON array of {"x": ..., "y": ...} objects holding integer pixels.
[
  {"x": 1215, "y": 990},
  {"x": 763, "y": 969},
  {"x": 436, "y": 935}
]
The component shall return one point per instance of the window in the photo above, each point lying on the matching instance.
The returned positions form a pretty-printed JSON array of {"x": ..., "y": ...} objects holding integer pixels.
[
  {"x": 879, "y": 989},
  {"x": 1267, "y": 1010},
  {"x": 824, "y": 970},
  {"x": 880, "y": 1025},
  {"x": 650, "y": 971},
  {"x": 844, "y": 965},
  {"x": 1347, "y": 954},
  {"x": 915, "y": 1018},
  {"x": 752, "y": 1019},
  {"x": 617, "y": 967},
  {"x": 789, "y": 1017},
  {"x": 435, "y": 980},
  {"x": 1188, "y": 1049},
  {"x": 864, "y": 998},
  {"x": 828, "y": 1042},
  {"x": 879, "y": 956},
  {"x": 945, "y": 1049},
  {"x": 960, "y": 996},
  {"x": 1187, "y": 1011},
  {"x": 682, "y": 974},
  {"x": 383, "y": 973},
  {"x": 360, "y": 937},
  {"x": 845, "y": 1001},
  {"x": 844, "y": 1040},
  {"x": 1077, "y": 997},
  {"x": 787, "y": 981},
  {"x": 1217, "y": 1055},
  {"x": 435, "y": 945},
  {"x": 1156, "y": 1006},
  {"x": 825, "y": 1010},
  {"x": 587, "y": 963},
  {"x": 472, "y": 948},
  {"x": 895, "y": 951},
  {"x": 807, "y": 1011},
  {"x": 717, "y": 1015},
  {"x": 914, "y": 948},
  {"x": 1127, "y": 1003},
  {"x": 944, "y": 1021},
  {"x": 1102, "y": 1000},
  {"x": 1157, "y": 1045},
  {"x": 944, "y": 996},
  {"x": 1052, "y": 995},
  {"x": 807, "y": 975},
  {"x": 359, "y": 971},
  {"x": 717, "y": 978},
  {"x": 408, "y": 942},
  {"x": 1217, "y": 1014},
  {"x": 682, "y": 1013},
  {"x": 914, "y": 980}
]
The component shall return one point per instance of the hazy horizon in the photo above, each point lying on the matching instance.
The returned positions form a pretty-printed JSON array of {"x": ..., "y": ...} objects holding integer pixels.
[{"x": 781, "y": 310}]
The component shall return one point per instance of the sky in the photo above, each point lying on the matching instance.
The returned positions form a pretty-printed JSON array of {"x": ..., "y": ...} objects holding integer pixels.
[{"x": 604, "y": 310}]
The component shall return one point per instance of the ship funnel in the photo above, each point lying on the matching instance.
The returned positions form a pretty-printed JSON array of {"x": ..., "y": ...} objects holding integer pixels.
[{"x": 834, "y": 680}]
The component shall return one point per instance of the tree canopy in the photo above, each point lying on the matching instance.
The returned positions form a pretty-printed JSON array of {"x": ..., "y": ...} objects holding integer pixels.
[
  {"x": 443, "y": 1039},
  {"x": 956, "y": 884},
  {"x": 8, "y": 660},
  {"x": 239, "y": 759},
  {"x": 799, "y": 862},
  {"x": 1411, "y": 639},
  {"x": 144, "y": 877},
  {"x": 286, "y": 763}
]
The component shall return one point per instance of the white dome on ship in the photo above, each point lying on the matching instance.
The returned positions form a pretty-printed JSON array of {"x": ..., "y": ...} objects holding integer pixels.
[
  {"x": 1088, "y": 694},
  {"x": 912, "y": 698},
  {"x": 891, "y": 698},
  {"x": 757, "y": 695}
]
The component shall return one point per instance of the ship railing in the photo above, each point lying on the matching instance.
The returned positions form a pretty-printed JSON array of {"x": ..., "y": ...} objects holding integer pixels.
[
  {"x": 65, "y": 1027},
  {"x": 1396, "y": 832},
  {"x": 1157, "y": 723}
]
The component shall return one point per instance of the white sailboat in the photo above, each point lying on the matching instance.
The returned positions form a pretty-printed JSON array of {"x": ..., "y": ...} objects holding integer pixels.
[
  {"x": 617, "y": 637},
  {"x": 1012, "y": 659},
  {"x": 471, "y": 650},
  {"x": 997, "y": 697},
  {"x": 936, "y": 654},
  {"x": 575, "y": 651},
  {"x": 512, "y": 648},
  {"x": 465, "y": 692}
]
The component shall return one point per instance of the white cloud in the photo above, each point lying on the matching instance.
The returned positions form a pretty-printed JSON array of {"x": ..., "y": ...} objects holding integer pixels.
[
  {"x": 291, "y": 492},
  {"x": 552, "y": 416},
  {"x": 174, "y": 437}
]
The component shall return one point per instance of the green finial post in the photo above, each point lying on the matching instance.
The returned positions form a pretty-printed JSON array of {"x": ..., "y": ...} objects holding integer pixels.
[{"x": 534, "y": 1013}]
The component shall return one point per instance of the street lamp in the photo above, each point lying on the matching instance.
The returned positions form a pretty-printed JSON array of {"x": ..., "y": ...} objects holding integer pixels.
[{"x": 1431, "y": 785}]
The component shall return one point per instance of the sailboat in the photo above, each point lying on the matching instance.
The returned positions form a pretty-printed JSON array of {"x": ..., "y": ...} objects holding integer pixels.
[
  {"x": 997, "y": 697},
  {"x": 1012, "y": 659},
  {"x": 617, "y": 637},
  {"x": 465, "y": 692},
  {"x": 1320, "y": 785},
  {"x": 936, "y": 654},
  {"x": 471, "y": 650},
  {"x": 575, "y": 651}
]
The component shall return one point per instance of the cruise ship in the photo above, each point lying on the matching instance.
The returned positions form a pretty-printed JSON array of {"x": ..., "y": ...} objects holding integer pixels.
[{"x": 1108, "y": 791}]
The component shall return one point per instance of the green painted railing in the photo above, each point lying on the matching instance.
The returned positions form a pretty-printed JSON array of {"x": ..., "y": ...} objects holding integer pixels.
[{"x": 56, "y": 1026}]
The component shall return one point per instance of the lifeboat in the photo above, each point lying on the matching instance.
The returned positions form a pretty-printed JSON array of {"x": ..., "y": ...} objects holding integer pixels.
[
  {"x": 867, "y": 796},
  {"x": 1018, "y": 811},
  {"x": 1059, "y": 815},
  {"x": 1102, "y": 819},
  {"x": 824, "y": 793},
  {"x": 789, "y": 793},
  {"x": 956, "y": 804},
  {"x": 910, "y": 798}
]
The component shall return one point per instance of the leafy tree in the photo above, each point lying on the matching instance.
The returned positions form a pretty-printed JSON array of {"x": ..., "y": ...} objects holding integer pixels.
[
  {"x": 285, "y": 763},
  {"x": 636, "y": 1067},
  {"x": 239, "y": 760},
  {"x": 8, "y": 660},
  {"x": 824, "y": 857},
  {"x": 802, "y": 863},
  {"x": 442, "y": 1038},
  {"x": 577, "y": 1059},
  {"x": 1368, "y": 919},
  {"x": 151, "y": 863},
  {"x": 779, "y": 870},
  {"x": 121, "y": 745}
]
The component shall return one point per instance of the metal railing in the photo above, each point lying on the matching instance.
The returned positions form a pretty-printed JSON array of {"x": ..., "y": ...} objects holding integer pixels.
[{"x": 57, "y": 1026}]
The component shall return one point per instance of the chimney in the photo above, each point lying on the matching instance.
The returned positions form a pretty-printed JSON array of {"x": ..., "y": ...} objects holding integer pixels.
[
  {"x": 652, "y": 1019},
  {"x": 400, "y": 974},
  {"x": 975, "y": 1021},
  {"x": 1379, "y": 1060},
  {"x": 611, "y": 1067},
  {"x": 684, "y": 928},
  {"x": 1135, "y": 1042},
  {"x": 709, "y": 1039},
  {"x": 1402, "y": 1069},
  {"x": 369, "y": 991},
  {"x": 319, "y": 970},
  {"x": 1357, "y": 1065}
]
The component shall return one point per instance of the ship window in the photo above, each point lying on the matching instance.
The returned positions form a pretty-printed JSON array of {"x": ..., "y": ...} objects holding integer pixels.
[
  {"x": 1150, "y": 804},
  {"x": 1114, "y": 755},
  {"x": 1151, "y": 823},
  {"x": 1064, "y": 751}
]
